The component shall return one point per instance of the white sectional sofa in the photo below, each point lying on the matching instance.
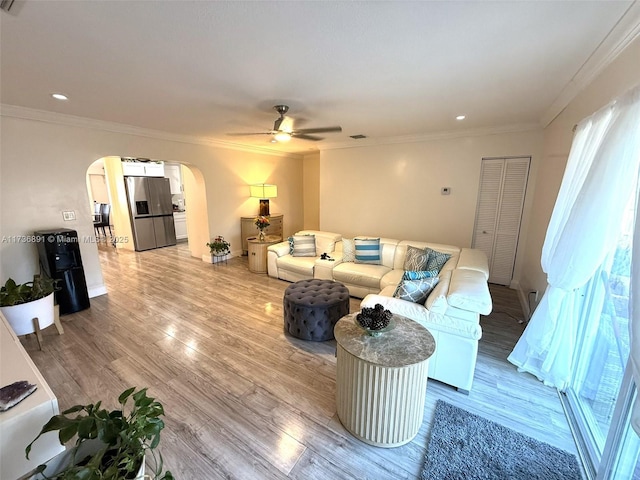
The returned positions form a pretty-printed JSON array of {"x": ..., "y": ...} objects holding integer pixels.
[{"x": 451, "y": 311}]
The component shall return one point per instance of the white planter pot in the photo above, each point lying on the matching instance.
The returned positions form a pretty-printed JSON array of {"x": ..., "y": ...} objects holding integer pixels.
[
  {"x": 21, "y": 316},
  {"x": 215, "y": 258}
]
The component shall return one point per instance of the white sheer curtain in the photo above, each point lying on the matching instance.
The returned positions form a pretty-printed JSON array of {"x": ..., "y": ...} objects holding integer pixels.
[
  {"x": 634, "y": 326},
  {"x": 584, "y": 227}
]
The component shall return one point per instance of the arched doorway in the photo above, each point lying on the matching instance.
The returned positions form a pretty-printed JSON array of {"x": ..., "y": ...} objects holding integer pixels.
[{"x": 106, "y": 184}]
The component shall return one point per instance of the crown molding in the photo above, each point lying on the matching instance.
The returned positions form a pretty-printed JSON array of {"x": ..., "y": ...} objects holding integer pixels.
[
  {"x": 83, "y": 122},
  {"x": 625, "y": 31},
  {"x": 477, "y": 132}
]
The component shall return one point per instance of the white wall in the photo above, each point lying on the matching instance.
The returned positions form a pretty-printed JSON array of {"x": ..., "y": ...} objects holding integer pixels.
[
  {"x": 394, "y": 190},
  {"x": 622, "y": 74},
  {"x": 44, "y": 168},
  {"x": 311, "y": 189}
]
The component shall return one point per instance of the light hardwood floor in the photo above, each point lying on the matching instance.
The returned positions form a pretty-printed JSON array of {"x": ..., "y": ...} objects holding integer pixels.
[{"x": 242, "y": 400}]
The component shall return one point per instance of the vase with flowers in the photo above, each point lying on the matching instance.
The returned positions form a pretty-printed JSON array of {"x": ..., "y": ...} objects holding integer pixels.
[{"x": 262, "y": 222}]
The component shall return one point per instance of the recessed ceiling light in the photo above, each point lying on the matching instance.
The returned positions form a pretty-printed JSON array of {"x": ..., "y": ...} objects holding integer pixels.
[
  {"x": 59, "y": 96},
  {"x": 460, "y": 117}
]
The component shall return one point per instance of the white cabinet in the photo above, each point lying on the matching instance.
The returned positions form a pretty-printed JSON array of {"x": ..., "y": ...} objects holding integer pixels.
[
  {"x": 180, "y": 222},
  {"x": 142, "y": 169},
  {"x": 172, "y": 172},
  {"x": 22, "y": 423}
]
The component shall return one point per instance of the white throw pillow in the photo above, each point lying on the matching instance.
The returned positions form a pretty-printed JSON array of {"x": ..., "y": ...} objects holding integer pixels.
[
  {"x": 348, "y": 250},
  {"x": 304, "y": 246}
]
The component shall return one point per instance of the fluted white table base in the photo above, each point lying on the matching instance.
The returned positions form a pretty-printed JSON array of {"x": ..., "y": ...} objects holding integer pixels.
[{"x": 382, "y": 406}]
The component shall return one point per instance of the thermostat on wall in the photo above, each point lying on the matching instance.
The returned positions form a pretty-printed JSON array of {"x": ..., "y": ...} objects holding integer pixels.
[{"x": 445, "y": 191}]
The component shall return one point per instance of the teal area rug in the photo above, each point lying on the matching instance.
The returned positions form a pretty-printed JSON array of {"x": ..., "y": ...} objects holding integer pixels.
[{"x": 465, "y": 446}]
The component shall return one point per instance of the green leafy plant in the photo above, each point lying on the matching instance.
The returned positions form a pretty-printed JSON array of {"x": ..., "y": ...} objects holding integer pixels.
[
  {"x": 125, "y": 436},
  {"x": 13, "y": 293},
  {"x": 219, "y": 246}
]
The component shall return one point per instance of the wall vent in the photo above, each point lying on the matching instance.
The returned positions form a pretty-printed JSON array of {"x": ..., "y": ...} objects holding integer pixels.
[{"x": 358, "y": 137}]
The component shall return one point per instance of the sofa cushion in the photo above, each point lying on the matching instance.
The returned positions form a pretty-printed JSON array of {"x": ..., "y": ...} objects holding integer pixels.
[
  {"x": 393, "y": 278},
  {"x": 415, "y": 291},
  {"x": 300, "y": 265},
  {"x": 436, "y": 259},
  {"x": 416, "y": 259},
  {"x": 365, "y": 275},
  {"x": 348, "y": 250},
  {"x": 437, "y": 299},
  {"x": 367, "y": 250},
  {"x": 469, "y": 291},
  {"x": 304, "y": 246},
  {"x": 474, "y": 259}
]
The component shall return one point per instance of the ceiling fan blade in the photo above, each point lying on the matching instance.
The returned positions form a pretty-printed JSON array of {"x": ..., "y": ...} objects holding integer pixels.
[
  {"x": 319, "y": 130},
  {"x": 238, "y": 134},
  {"x": 304, "y": 136}
]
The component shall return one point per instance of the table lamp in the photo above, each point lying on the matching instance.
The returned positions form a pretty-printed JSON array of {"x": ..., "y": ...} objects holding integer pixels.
[{"x": 264, "y": 192}]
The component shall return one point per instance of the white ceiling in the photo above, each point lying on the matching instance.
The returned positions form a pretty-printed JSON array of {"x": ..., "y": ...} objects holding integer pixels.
[{"x": 382, "y": 69}]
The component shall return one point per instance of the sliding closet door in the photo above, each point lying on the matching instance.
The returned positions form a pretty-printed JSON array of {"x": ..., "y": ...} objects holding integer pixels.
[{"x": 503, "y": 183}]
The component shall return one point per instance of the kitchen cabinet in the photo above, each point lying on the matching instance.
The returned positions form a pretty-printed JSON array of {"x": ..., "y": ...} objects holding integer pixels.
[
  {"x": 248, "y": 229},
  {"x": 142, "y": 169},
  {"x": 172, "y": 172},
  {"x": 180, "y": 222}
]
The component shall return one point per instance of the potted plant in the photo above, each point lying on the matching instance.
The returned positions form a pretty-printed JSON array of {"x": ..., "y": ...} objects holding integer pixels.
[
  {"x": 109, "y": 445},
  {"x": 21, "y": 303},
  {"x": 219, "y": 248}
]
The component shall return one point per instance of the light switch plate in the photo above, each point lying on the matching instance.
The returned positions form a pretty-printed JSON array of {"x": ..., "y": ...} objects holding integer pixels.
[{"x": 69, "y": 215}]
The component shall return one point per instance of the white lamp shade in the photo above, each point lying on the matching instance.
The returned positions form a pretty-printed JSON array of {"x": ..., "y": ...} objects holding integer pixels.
[{"x": 263, "y": 190}]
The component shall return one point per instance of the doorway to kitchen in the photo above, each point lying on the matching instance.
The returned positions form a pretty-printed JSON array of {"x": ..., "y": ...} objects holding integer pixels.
[{"x": 106, "y": 187}]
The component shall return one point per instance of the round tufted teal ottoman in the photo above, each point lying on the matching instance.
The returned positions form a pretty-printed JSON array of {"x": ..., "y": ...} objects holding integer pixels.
[{"x": 312, "y": 308}]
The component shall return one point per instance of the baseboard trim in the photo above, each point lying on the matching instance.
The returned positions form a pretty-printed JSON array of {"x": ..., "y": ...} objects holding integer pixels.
[
  {"x": 522, "y": 297},
  {"x": 97, "y": 291}
]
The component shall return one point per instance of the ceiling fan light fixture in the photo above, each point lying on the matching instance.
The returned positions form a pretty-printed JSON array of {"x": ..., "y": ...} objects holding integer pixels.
[{"x": 282, "y": 136}]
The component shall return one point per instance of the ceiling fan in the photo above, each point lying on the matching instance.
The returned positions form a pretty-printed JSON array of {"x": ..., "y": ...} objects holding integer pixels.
[{"x": 283, "y": 129}]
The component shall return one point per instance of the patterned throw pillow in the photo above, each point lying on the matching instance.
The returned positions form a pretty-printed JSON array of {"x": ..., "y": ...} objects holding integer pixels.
[
  {"x": 367, "y": 250},
  {"x": 416, "y": 259},
  {"x": 411, "y": 275},
  {"x": 290, "y": 239},
  {"x": 436, "y": 259},
  {"x": 304, "y": 246},
  {"x": 348, "y": 250},
  {"x": 415, "y": 291}
]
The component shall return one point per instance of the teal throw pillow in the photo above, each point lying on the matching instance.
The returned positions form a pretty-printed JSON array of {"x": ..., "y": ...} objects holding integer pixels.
[
  {"x": 367, "y": 250},
  {"x": 415, "y": 291},
  {"x": 436, "y": 259},
  {"x": 290, "y": 239},
  {"x": 411, "y": 275}
]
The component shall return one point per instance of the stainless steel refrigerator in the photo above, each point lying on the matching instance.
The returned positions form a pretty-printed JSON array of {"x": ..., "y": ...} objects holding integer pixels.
[{"x": 151, "y": 212}]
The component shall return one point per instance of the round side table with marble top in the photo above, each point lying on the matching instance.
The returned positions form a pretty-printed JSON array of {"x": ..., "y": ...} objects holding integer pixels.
[{"x": 381, "y": 382}]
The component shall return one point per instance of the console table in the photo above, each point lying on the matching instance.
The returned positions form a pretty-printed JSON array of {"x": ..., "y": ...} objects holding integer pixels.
[{"x": 381, "y": 382}]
